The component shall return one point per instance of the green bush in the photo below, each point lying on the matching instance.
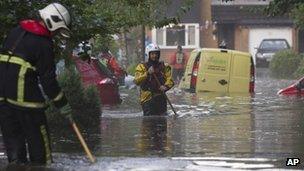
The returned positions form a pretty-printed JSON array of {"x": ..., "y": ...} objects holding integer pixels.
[
  {"x": 300, "y": 70},
  {"x": 131, "y": 68},
  {"x": 284, "y": 64},
  {"x": 85, "y": 103}
]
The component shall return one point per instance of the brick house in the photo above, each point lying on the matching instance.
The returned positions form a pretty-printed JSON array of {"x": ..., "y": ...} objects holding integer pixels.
[
  {"x": 241, "y": 23},
  {"x": 190, "y": 33}
]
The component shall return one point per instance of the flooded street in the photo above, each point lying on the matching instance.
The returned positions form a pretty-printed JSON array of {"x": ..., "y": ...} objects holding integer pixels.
[{"x": 212, "y": 131}]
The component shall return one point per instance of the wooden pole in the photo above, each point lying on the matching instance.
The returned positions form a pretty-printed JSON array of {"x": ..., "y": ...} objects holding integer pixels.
[
  {"x": 83, "y": 143},
  {"x": 168, "y": 100}
]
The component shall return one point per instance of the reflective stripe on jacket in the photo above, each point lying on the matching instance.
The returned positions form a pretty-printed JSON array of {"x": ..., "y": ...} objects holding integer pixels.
[
  {"x": 141, "y": 77},
  {"x": 23, "y": 66},
  {"x": 30, "y": 67}
]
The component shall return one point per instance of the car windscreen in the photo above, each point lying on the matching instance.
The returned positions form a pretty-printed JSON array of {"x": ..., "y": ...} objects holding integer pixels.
[{"x": 274, "y": 44}]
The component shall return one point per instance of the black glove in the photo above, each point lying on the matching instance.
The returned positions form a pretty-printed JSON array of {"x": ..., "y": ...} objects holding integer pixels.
[{"x": 66, "y": 111}]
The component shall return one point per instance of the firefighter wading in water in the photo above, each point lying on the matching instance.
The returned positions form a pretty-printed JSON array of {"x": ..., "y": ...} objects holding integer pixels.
[
  {"x": 27, "y": 60},
  {"x": 152, "y": 100}
]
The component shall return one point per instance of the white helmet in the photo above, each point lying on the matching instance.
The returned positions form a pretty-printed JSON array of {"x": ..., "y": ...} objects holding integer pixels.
[
  {"x": 151, "y": 48},
  {"x": 56, "y": 16}
]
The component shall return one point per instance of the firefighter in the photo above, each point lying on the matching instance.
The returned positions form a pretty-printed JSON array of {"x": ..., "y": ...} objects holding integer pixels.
[
  {"x": 27, "y": 74},
  {"x": 152, "y": 97}
]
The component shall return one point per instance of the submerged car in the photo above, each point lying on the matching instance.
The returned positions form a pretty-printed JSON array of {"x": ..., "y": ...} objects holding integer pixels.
[
  {"x": 296, "y": 88},
  {"x": 219, "y": 70},
  {"x": 94, "y": 73},
  {"x": 267, "y": 49}
]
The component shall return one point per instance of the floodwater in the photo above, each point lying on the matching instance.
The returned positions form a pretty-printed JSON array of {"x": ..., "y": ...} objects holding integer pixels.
[{"x": 211, "y": 132}]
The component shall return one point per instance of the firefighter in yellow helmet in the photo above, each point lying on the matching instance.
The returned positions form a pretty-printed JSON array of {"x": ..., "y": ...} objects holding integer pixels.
[
  {"x": 27, "y": 69},
  {"x": 152, "y": 98}
]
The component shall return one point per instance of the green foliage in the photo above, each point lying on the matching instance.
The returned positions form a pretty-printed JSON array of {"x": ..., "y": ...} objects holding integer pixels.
[
  {"x": 131, "y": 68},
  {"x": 293, "y": 8},
  {"x": 102, "y": 42},
  {"x": 93, "y": 18},
  {"x": 300, "y": 70},
  {"x": 284, "y": 63},
  {"x": 70, "y": 82},
  {"x": 298, "y": 15},
  {"x": 11, "y": 12},
  {"x": 280, "y": 7},
  {"x": 85, "y": 103}
]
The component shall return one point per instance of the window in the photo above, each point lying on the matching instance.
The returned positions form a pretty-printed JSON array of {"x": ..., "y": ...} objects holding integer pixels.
[
  {"x": 191, "y": 35},
  {"x": 175, "y": 36},
  {"x": 186, "y": 35},
  {"x": 159, "y": 37}
]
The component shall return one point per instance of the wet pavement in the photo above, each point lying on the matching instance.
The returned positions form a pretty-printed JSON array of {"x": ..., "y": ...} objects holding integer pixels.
[{"x": 211, "y": 132}]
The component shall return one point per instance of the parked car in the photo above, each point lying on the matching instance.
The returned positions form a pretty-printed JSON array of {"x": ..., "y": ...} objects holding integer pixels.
[
  {"x": 94, "y": 73},
  {"x": 266, "y": 50},
  {"x": 219, "y": 70}
]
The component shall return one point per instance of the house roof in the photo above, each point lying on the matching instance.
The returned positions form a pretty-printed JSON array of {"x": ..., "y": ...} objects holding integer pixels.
[
  {"x": 191, "y": 16},
  {"x": 247, "y": 15}
]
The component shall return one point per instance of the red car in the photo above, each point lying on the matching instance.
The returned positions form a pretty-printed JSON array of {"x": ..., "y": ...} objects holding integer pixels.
[
  {"x": 95, "y": 73},
  {"x": 296, "y": 88}
]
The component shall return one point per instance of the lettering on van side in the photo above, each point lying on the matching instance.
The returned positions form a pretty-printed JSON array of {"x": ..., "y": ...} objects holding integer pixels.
[
  {"x": 216, "y": 68},
  {"x": 215, "y": 61},
  {"x": 216, "y": 64}
]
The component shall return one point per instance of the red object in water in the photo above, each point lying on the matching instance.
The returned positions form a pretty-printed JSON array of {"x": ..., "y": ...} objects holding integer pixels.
[
  {"x": 296, "y": 88},
  {"x": 92, "y": 74}
]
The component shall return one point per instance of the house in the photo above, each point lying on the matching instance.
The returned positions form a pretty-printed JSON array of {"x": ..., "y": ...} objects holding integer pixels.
[
  {"x": 244, "y": 24},
  {"x": 191, "y": 33},
  {"x": 241, "y": 23}
]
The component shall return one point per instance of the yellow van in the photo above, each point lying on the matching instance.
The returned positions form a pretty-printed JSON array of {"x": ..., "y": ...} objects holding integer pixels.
[{"x": 219, "y": 70}]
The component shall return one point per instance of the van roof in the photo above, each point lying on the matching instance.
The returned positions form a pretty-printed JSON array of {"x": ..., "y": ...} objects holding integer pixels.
[{"x": 219, "y": 50}]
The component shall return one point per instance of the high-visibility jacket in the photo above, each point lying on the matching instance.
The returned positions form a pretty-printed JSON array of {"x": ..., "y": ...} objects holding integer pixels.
[
  {"x": 29, "y": 68},
  {"x": 149, "y": 88}
]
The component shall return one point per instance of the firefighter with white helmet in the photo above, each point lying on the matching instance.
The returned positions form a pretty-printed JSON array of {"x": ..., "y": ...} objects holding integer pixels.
[
  {"x": 152, "y": 98},
  {"x": 26, "y": 65},
  {"x": 56, "y": 18}
]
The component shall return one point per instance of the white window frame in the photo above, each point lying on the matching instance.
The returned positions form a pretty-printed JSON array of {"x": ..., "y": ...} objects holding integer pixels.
[{"x": 164, "y": 44}]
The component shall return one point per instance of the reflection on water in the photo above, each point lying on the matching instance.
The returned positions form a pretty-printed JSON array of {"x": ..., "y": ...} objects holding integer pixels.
[
  {"x": 212, "y": 124},
  {"x": 153, "y": 138},
  {"x": 215, "y": 126},
  {"x": 252, "y": 127}
]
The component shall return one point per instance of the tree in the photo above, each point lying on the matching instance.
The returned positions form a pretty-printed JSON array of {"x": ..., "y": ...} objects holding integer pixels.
[
  {"x": 293, "y": 8},
  {"x": 93, "y": 17}
]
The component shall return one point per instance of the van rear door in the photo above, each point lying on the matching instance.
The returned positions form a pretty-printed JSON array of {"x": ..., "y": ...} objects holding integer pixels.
[
  {"x": 214, "y": 70},
  {"x": 240, "y": 72},
  {"x": 185, "y": 82}
]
